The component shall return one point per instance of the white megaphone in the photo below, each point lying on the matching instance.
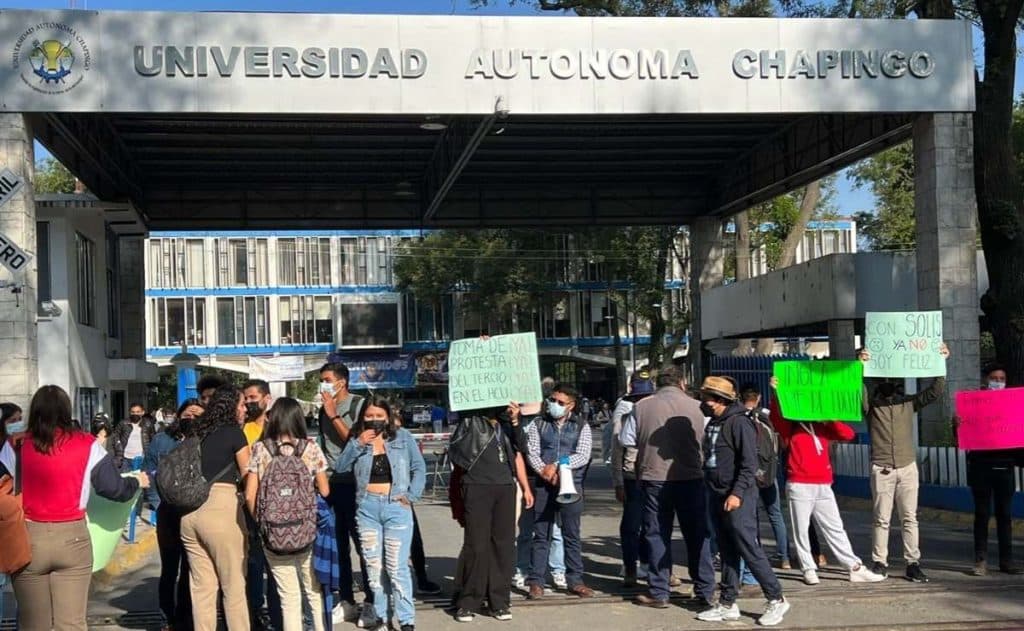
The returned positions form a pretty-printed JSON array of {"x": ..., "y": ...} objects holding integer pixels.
[{"x": 567, "y": 493}]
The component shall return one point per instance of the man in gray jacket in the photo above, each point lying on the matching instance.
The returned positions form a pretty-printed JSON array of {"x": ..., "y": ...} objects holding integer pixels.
[{"x": 669, "y": 468}]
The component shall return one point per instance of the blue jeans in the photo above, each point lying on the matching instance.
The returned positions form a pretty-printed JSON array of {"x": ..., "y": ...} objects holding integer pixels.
[
  {"x": 546, "y": 512},
  {"x": 772, "y": 500},
  {"x": 556, "y": 553},
  {"x": 631, "y": 528},
  {"x": 385, "y": 537},
  {"x": 664, "y": 502}
]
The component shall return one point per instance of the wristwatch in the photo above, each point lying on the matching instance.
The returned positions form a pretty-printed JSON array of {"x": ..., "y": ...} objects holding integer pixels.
[{"x": 335, "y": 417}]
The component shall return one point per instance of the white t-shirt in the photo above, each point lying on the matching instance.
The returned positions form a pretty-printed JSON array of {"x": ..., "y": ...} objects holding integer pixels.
[
  {"x": 7, "y": 457},
  {"x": 133, "y": 448}
]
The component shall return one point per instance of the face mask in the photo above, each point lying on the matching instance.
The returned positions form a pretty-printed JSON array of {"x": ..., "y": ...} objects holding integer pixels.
[
  {"x": 996, "y": 385},
  {"x": 326, "y": 388},
  {"x": 378, "y": 426},
  {"x": 705, "y": 409},
  {"x": 253, "y": 410},
  {"x": 556, "y": 410},
  {"x": 19, "y": 427},
  {"x": 886, "y": 390},
  {"x": 135, "y": 418}
]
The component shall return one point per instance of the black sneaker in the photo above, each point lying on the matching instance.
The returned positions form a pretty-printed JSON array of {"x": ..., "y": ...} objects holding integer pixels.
[
  {"x": 880, "y": 568},
  {"x": 428, "y": 588},
  {"x": 503, "y": 614},
  {"x": 915, "y": 575},
  {"x": 408, "y": 627},
  {"x": 464, "y": 615}
]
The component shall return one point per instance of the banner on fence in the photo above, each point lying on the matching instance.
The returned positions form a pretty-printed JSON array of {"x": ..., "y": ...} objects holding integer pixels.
[
  {"x": 820, "y": 390},
  {"x": 904, "y": 344},
  {"x": 281, "y": 368},
  {"x": 491, "y": 372},
  {"x": 106, "y": 520},
  {"x": 990, "y": 419}
]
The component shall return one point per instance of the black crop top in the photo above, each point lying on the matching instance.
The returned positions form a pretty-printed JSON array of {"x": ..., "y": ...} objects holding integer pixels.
[{"x": 380, "y": 470}]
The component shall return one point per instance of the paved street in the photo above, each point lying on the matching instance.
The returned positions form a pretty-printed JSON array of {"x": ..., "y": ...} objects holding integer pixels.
[{"x": 953, "y": 600}]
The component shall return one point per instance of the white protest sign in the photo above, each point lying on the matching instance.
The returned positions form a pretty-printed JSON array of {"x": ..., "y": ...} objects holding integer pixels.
[{"x": 492, "y": 372}]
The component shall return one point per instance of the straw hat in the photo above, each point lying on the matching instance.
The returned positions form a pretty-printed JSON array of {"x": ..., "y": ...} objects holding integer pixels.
[{"x": 719, "y": 387}]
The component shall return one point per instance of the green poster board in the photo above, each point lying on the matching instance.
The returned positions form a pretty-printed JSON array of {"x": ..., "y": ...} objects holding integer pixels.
[
  {"x": 492, "y": 372},
  {"x": 819, "y": 390},
  {"x": 904, "y": 344},
  {"x": 106, "y": 520}
]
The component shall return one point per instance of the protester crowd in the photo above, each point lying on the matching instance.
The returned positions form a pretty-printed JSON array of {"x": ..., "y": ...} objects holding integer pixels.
[{"x": 253, "y": 513}]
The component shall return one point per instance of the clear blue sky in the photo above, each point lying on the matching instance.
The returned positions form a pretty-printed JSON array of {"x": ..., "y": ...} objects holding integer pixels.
[{"x": 849, "y": 199}]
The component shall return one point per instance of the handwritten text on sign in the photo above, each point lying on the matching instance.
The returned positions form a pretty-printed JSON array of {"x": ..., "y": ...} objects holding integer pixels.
[
  {"x": 990, "y": 419},
  {"x": 493, "y": 372},
  {"x": 904, "y": 344},
  {"x": 819, "y": 390}
]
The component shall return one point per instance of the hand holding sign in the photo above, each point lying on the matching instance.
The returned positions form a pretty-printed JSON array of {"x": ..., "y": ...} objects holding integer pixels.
[{"x": 904, "y": 344}]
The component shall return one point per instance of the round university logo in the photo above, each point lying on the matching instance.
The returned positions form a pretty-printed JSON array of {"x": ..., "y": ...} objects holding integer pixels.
[{"x": 51, "y": 57}]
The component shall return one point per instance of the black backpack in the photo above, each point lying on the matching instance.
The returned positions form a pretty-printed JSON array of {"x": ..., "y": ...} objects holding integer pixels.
[
  {"x": 767, "y": 450},
  {"x": 179, "y": 477}
]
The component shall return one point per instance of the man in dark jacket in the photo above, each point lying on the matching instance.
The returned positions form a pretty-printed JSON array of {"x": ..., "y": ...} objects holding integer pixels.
[
  {"x": 132, "y": 437},
  {"x": 730, "y": 465}
]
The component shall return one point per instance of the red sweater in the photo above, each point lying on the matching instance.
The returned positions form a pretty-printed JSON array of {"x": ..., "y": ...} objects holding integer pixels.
[{"x": 808, "y": 463}]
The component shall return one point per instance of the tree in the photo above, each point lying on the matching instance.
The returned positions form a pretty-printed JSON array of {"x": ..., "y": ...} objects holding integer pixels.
[
  {"x": 889, "y": 176},
  {"x": 53, "y": 177}
]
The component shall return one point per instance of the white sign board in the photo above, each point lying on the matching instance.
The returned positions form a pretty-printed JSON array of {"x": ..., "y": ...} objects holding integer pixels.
[
  {"x": 9, "y": 185},
  {"x": 283, "y": 368},
  {"x": 239, "y": 63},
  {"x": 12, "y": 257}
]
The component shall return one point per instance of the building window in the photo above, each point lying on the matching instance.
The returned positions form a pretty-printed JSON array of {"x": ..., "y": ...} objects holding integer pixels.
[
  {"x": 113, "y": 286},
  {"x": 88, "y": 404},
  {"x": 242, "y": 262},
  {"x": 598, "y": 315},
  {"x": 195, "y": 263},
  {"x": 242, "y": 321},
  {"x": 425, "y": 322},
  {"x": 370, "y": 323},
  {"x": 86, "y": 255},
  {"x": 304, "y": 261},
  {"x": 179, "y": 320},
  {"x": 44, "y": 292},
  {"x": 305, "y": 320},
  {"x": 554, "y": 318}
]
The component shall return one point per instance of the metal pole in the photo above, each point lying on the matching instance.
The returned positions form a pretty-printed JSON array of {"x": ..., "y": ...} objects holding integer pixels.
[{"x": 631, "y": 320}]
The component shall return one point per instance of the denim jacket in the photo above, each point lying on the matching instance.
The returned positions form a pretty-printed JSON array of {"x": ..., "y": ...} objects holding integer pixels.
[{"x": 408, "y": 470}]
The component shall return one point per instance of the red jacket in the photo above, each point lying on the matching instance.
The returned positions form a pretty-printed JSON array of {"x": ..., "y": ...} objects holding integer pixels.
[{"x": 808, "y": 463}]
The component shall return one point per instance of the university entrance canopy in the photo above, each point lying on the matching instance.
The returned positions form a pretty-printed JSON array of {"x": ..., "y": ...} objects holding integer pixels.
[{"x": 235, "y": 120}]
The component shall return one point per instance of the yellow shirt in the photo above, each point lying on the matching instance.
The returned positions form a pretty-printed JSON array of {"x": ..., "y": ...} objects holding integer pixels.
[{"x": 253, "y": 432}]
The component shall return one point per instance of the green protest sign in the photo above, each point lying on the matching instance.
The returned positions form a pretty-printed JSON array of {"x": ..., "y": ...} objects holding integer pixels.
[
  {"x": 904, "y": 344},
  {"x": 819, "y": 390},
  {"x": 492, "y": 372}
]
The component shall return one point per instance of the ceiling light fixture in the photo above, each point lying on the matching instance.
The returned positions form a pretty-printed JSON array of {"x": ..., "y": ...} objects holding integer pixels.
[{"x": 433, "y": 123}]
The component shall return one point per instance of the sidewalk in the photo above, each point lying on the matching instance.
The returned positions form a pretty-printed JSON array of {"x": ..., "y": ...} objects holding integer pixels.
[{"x": 952, "y": 598}]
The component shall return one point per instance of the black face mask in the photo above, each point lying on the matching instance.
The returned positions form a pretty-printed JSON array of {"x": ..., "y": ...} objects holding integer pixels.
[
  {"x": 253, "y": 410},
  {"x": 886, "y": 390},
  {"x": 377, "y": 426},
  {"x": 705, "y": 409},
  {"x": 135, "y": 418}
]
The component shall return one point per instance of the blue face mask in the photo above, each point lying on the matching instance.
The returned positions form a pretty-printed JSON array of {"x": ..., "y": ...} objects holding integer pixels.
[
  {"x": 556, "y": 410},
  {"x": 17, "y": 428}
]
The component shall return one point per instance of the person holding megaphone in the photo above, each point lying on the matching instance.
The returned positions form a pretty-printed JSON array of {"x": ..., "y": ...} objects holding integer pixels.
[{"x": 558, "y": 454}]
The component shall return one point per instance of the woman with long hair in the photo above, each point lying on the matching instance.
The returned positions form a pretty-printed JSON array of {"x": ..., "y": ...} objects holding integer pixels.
[
  {"x": 175, "y": 601},
  {"x": 12, "y": 425},
  {"x": 59, "y": 463},
  {"x": 285, "y": 435},
  {"x": 214, "y": 534},
  {"x": 390, "y": 476}
]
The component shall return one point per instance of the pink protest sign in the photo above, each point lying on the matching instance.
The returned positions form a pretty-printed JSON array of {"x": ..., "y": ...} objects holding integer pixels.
[{"x": 991, "y": 419}]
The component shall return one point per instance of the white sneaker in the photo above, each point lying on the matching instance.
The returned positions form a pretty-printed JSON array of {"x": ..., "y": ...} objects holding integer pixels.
[
  {"x": 863, "y": 575},
  {"x": 344, "y": 612},
  {"x": 558, "y": 578},
  {"x": 774, "y": 611},
  {"x": 519, "y": 580},
  {"x": 811, "y": 577},
  {"x": 719, "y": 613}
]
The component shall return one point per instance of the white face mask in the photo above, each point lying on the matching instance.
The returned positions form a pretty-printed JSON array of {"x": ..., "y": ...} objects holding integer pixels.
[
  {"x": 326, "y": 388},
  {"x": 17, "y": 428},
  {"x": 996, "y": 385},
  {"x": 556, "y": 410}
]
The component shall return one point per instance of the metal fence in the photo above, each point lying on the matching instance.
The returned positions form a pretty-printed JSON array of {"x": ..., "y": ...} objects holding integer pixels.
[
  {"x": 755, "y": 369},
  {"x": 938, "y": 466}
]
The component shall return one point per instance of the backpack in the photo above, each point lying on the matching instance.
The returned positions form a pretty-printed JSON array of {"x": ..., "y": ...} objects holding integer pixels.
[
  {"x": 180, "y": 480},
  {"x": 767, "y": 451},
  {"x": 285, "y": 503}
]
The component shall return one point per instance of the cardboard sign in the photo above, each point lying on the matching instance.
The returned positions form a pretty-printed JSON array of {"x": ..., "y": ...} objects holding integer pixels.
[
  {"x": 492, "y": 372},
  {"x": 820, "y": 390},
  {"x": 990, "y": 419},
  {"x": 904, "y": 344},
  {"x": 106, "y": 520}
]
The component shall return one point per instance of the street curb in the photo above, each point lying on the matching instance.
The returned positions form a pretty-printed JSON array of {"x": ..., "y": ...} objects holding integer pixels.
[
  {"x": 924, "y": 513},
  {"x": 128, "y": 557}
]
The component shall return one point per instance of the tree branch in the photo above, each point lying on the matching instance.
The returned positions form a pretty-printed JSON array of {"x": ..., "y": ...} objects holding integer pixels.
[{"x": 809, "y": 202}]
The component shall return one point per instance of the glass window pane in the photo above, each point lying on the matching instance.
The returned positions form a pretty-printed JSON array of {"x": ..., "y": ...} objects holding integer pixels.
[
  {"x": 322, "y": 316},
  {"x": 284, "y": 319},
  {"x": 240, "y": 262},
  {"x": 175, "y": 321},
  {"x": 225, "y": 321},
  {"x": 196, "y": 263},
  {"x": 250, "y": 320},
  {"x": 286, "y": 262},
  {"x": 199, "y": 322}
]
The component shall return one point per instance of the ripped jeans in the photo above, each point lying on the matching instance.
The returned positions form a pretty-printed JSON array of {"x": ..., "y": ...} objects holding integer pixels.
[{"x": 383, "y": 520}]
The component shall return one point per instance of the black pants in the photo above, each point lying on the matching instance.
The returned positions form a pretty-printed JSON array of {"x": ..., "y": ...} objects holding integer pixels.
[
  {"x": 546, "y": 510},
  {"x": 489, "y": 546},
  {"x": 991, "y": 485},
  {"x": 737, "y": 539},
  {"x": 175, "y": 598},
  {"x": 664, "y": 503},
  {"x": 343, "y": 500},
  {"x": 417, "y": 553}
]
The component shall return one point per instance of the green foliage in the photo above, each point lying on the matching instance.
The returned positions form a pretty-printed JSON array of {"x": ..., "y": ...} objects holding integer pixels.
[
  {"x": 307, "y": 389},
  {"x": 53, "y": 177},
  {"x": 889, "y": 176}
]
